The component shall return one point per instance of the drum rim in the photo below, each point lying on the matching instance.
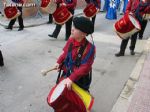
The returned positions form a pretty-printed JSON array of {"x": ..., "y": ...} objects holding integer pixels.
[
  {"x": 61, "y": 84},
  {"x": 138, "y": 26}
]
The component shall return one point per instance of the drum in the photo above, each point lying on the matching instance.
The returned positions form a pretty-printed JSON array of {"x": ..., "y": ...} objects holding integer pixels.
[
  {"x": 49, "y": 6},
  {"x": 61, "y": 15},
  {"x": 75, "y": 100},
  {"x": 90, "y": 10},
  {"x": 127, "y": 26},
  {"x": 11, "y": 12}
]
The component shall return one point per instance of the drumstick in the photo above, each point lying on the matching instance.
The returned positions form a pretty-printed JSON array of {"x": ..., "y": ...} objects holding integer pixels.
[{"x": 45, "y": 71}]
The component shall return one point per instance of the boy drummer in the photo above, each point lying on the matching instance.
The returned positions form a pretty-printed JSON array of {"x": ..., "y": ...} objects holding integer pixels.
[{"x": 78, "y": 56}]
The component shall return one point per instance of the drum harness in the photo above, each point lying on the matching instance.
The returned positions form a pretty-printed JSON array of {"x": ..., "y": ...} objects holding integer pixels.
[{"x": 69, "y": 63}]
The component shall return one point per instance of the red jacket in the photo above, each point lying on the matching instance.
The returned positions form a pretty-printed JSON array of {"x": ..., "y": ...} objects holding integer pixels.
[
  {"x": 84, "y": 69},
  {"x": 70, "y": 5},
  {"x": 97, "y": 3},
  {"x": 133, "y": 4}
]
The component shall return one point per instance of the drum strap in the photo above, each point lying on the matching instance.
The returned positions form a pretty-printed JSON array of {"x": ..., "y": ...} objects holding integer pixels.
[{"x": 69, "y": 63}]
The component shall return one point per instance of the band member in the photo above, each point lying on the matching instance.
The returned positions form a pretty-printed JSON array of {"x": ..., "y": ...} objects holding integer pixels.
[
  {"x": 78, "y": 56},
  {"x": 97, "y": 5},
  {"x": 1, "y": 59},
  {"x": 71, "y": 5},
  {"x": 132, "y": 7},
  {"x": 20, "y": 19}
]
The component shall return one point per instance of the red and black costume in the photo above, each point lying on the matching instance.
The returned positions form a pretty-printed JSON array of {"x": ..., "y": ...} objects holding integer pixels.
[
  {"x": 97, "y": 4},
  {"x": 136, "y": 8},
  {"x": 20, "y": 19},
  {"x": 71, "y": 5}
]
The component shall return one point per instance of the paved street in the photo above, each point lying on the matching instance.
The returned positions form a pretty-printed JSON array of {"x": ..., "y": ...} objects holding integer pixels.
[{"x": 22, "y": 87}]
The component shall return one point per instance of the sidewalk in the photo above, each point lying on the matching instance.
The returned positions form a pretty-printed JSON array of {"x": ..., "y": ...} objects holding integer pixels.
[
  {"x": 135, "y": 96},
  {"x": 33, "y": 21}
]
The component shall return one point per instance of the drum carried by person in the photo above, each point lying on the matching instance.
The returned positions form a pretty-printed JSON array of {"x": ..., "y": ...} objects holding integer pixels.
[
  {"x": 64, "y": 100},
  {"x": 11, "y": 12},
  {"x": 127, "y": 26},
  {"x": 90, "y": 10},
  {"x": 61, "y": 15}
]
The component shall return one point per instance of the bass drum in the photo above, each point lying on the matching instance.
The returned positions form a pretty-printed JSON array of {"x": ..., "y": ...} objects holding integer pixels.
[
  {"x": 64, "y": 100},
  {"x": 11, "y": 12},
  {"x": 61, "y": 15},
  {"x": 127, "y": 26},
  {"x": 90, "y": 10}
]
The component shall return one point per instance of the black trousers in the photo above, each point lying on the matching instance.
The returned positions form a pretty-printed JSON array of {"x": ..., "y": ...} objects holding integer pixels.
[
  {"x": 143, "y": 26},
  {"x": 93, "y": 19},
  {"x": 20, "y": 20},
  {"x": 68, "y": 27},
  {"x": 50, "y": 18},
  {"x": 125, "y": 42},
  {"x": 1, "y": 59}
]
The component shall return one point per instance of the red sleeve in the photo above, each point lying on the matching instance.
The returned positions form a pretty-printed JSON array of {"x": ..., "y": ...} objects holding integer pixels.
[
  {"x": 83, "y": 70},
  {"x": 129, "y": 5},
  {"x": 72, "y": 5}
]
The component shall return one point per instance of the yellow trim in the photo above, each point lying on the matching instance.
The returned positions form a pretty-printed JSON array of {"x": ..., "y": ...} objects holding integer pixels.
[{"x": 84, "y": 95}]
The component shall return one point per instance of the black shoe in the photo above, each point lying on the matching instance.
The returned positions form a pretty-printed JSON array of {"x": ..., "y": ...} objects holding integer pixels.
[
  {"x": 52, "y": 36},
  {"x": 8, "y": 28},
  {"x": 119, "y": 54},
  {"x": 49, "y": 22},
  {"x": 20, "y": 29},
  {"x": 132, "y": 52}
]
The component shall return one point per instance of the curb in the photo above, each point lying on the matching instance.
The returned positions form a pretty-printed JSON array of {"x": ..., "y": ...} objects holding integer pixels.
[
  {"x": 124, "y": 99},
  {"x": 34, "y": 25}
]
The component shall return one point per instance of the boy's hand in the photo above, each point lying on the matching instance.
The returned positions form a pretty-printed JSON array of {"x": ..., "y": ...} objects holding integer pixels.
[
  {"x": 68, "y": 83},
  {"x": 56, "y": 67}
]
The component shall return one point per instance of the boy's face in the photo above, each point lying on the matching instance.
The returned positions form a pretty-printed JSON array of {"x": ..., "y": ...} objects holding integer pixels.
[{"x": 77, "y": 34}]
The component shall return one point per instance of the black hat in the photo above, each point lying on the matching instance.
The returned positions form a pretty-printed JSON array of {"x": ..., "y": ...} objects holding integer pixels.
[{"x": 83, "y": 24}]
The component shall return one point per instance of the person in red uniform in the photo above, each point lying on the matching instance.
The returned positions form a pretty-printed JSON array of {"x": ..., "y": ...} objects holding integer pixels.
[
  {"x": 71, "y": 5},
  {"x": 20, "y": 19},
  {"x": 78, "y": 56},
  {"x": 97, "y": 4},
  {"x": 132, "y": 8},
  {"x": 77, "y": 69}
]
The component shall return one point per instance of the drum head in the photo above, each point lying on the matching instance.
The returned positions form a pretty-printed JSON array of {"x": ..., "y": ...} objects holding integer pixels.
[
  {"x": 135, "y": 22},
  {"x": 57, "y": 92}
]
